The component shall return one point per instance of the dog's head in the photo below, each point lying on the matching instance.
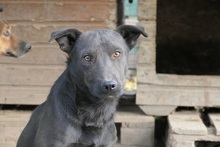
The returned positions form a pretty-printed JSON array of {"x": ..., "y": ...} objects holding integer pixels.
[
  {"x": 98, "y": 58},
  {"x": 10, "y": 45}
]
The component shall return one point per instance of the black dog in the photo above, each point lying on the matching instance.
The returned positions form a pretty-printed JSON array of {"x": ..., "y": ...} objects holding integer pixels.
[{"x": 80, "y": 108}]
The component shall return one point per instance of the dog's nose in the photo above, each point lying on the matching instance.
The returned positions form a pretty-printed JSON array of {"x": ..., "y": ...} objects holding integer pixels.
[
  {"x": 27, "y": 46},
  {"x": 109, "y": 86}
]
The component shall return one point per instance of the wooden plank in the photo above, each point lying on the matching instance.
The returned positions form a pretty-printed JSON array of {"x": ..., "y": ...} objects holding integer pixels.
[
  {"x": 179, "y": 143},
  {"x": 40, "y": 32},
  {"x": 31, "y": 75},
  {"x": 65, "y": 11},
  {"x": 146, "y": 75},
  {"x": 9, "y": 135},
  {"x": 209, "y": 138},
  {"x": 14, "y": 118},
  {"x": 27, "y": 95},
  {"x": 157, "y": 110},
  {"x": 11, "y": 125},
  {"x": 7, "y": 145},
  {"x": 131, "y": 114},
  {"x": 150, "y": 124},
  {"x": 48, "y": 54},
  {"x": 177, "y": 96},
  {"x": 215, "y": 119},
  {"x": 186, "y": 123},
  {"x": 147, "y": 10},
  {"x": 137, "y": 136},
  {"x": 146, "y": 53}
]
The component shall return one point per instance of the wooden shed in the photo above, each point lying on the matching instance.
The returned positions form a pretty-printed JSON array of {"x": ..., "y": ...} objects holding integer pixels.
[{"x": 178, "y": 65}]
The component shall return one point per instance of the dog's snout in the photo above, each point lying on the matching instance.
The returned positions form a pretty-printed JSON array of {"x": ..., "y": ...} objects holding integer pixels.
[
  {"x": 27, "y": 46},
  {"x": 109, "y": 86}
]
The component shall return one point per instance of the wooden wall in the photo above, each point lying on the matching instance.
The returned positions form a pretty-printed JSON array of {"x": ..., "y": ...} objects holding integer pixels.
[{"x": 28, "y": 80}]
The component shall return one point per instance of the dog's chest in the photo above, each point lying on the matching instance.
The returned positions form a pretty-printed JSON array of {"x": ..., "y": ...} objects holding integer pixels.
[
  {"x": 96, "y": 115},
  {"x": 92, "y": 135},
  {"x": 84, "y": 135}
]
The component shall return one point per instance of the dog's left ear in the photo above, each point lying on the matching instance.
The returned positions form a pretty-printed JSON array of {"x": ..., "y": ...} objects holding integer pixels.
[
  {"x": 131, "y": 33},
  {"x": 65, "y": 38}
]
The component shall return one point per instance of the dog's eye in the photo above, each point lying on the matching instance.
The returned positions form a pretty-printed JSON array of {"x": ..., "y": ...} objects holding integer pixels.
[
  {"x": 7, "y": 33},
  {"x": 117, "y": 54},
  {"x": 87, "y": 58}
]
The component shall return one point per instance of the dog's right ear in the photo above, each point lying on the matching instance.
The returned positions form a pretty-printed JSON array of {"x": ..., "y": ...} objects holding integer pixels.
[{"x": 65, "y": 38}]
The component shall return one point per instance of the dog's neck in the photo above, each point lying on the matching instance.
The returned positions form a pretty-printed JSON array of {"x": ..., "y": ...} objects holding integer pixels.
[
  {"x": 90, "y": 111},
  {"x": 94, "y": 111}
]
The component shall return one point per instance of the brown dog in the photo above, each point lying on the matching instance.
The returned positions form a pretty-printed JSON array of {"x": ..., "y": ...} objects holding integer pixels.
[{"x": 10, "y": 45}]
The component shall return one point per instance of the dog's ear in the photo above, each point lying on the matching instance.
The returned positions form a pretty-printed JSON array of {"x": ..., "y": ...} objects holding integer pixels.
[
  {"x": 131, "y": 33},
  {"x": 65, "y": 38}
]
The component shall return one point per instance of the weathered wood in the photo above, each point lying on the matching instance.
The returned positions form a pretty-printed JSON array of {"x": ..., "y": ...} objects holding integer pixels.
[
  {"x": 148, "y": 10},
  {"x": 165, "y": 90},
  {"x": 136, "y": 127},
  {"x": 138, "y": 133},
  {"x": 137, "y": 136},
  {"x": 146, "y": 53},
  {"x": 131, "y": 114},
  {"x": 177, "y": 96},
  {"x": 67, "y": 10},
  {"x": 186, "y": 123},
  {"x": 174, "y": 143},
  {"x": 38, "y": 75},
  {"x": 156, "y": 110},
  {"x": 149, "y": 124},
  {"x": 34, "y": 30},
  {"x": 23, "y": 95},
  {"x": 47, "y": 54},
  {"x": 185, "y": 128},
  {"x": 194, "y": 138},
  {"x": 147, "y": 75},
  {"x": 215, "y": 119},
  {"x": 11, "y": 125},
  {"x": 147, "y": 18},
  {"x": 6, "y": 145}
]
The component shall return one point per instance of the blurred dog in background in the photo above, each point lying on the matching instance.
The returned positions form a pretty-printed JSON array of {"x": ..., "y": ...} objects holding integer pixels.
[{"x": 10, "y": 45}]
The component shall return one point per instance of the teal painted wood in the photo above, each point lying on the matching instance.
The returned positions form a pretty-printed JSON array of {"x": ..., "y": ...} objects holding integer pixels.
[{"x": 131, "y": 9}]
